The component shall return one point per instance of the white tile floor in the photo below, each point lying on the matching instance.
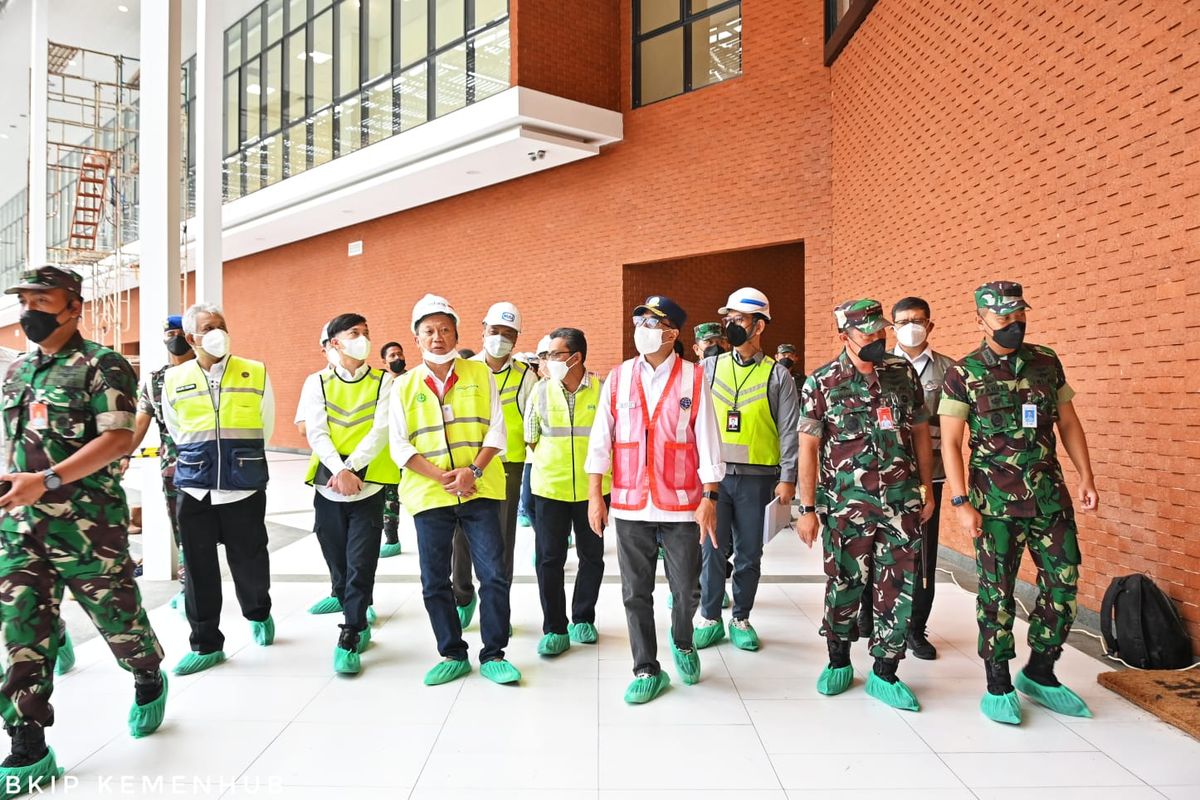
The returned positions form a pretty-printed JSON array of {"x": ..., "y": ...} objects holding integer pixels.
[{"x": 277, "y": 722}]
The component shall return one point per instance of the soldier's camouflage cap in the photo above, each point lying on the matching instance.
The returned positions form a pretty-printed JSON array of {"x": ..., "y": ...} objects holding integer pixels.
[
  {"x": 864, "y": 315},
  {"x": 709, "y": 330},
  {"x": 48, "y": 277},
  {"x": 786, "y": 348},
  {"x": 1002, "y": 297}
]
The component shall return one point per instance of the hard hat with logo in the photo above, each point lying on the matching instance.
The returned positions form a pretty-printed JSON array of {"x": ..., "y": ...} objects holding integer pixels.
[
  {"x": 429, "y": 305},
  {"x": 747, "y": 301},
  {"x": 505, "y": 314}
]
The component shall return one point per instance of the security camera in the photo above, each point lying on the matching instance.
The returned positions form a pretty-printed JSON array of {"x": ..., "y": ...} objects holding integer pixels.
[{"x": 535, "y": 155}]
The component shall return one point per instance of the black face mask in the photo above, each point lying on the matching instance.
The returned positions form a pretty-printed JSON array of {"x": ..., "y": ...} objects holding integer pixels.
[
  {"x": 39, "y": 325},
  {"x": 1010, "y": 336},
  {"x": 874, "y": 352},
  {"x": 713, "y": 350},
  {"x": 787, "y": 363},
  {"x": 178, "y": 346},
  {"x": 736, "y": 334},
  {"x": 396, "y": 366}
]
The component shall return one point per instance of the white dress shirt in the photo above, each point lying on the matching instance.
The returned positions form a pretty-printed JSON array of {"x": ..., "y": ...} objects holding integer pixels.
[
  {"x": 266, "y": 409},
  {"x": 402, "y": 446},
  {"x": 708, "y": 439},
  {"x": 316, "y": 424},
  {"x": 920, "y": 361}
]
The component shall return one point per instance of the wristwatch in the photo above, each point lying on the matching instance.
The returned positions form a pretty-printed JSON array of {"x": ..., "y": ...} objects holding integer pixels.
[
  {"x": 958, "y": 500},
  {"x": 51, "y": 480},
  {"x": 476, "y": 471},
  {"x": 807, "y": 510},
  {"x": 714, "y": 496}
]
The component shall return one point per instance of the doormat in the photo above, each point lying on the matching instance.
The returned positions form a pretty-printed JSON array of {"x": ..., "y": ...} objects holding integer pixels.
[{"x": 1171, "y": 696}]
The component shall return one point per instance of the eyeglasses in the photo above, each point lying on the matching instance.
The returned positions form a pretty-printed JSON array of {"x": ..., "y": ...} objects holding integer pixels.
[
  {"x": 559, "y": 355},
  {"x": 651, "y": 322},
  {"x": 924, "y": 323}
]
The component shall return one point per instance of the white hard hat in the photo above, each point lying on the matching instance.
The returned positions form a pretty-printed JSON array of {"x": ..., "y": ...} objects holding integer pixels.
[
  {"x": 431, "y": 304},
  {"x": 325, "y": 335},
  {"x": 747, "y": 301},
  {"x": 504, "y": 314},
  {"x": 544, "y": 345}
]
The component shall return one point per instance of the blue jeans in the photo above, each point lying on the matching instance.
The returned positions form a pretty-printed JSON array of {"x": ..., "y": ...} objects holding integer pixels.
[
  {"x": 525, "y": 507},
  {"x": 480, "y": 522},
  {"x": 740, "y": 512}
]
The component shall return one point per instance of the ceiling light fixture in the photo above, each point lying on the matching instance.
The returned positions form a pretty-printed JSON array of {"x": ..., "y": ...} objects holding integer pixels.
[{"x": 123, "y": 9}]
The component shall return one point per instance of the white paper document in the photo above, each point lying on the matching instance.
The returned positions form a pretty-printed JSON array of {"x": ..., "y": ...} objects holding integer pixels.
[{"x": 778, "y": 517}]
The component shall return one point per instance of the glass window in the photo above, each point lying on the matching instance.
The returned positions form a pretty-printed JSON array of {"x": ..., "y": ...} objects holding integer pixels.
[
  {"x": 254, "y": 32},
  {"x": 716, "y": 47},
  {"x": 491, "y": 61},
  {"x": 656, "y": 13},
  {"x": 322, "y": 137},
  {"x": 251, "y": 101},
  {"x": 450, "y": 80},
  {"x": 662, "y": 66},
  {"x": 347, "y": 55},
  {"x": 488, "y": 10},
  {"x": 349, "y": 126},
  {"x": 274, "y": 158},
  {"x": 297, "y": 13},
  {"x": 274, "y": 88},
  {"x": 232, "y": 178},
  {"x": 379, "y": 122},
  {"x": 232, "y": 114},
  {"x": 321, "y": 56},
  {"x": 253, "y": 169},
  {"x": 412, "y": 87},
  {"x": 379, "y": 38},
  {"x": 296, "y": 147},
  {"x": 274, "y": 21},
  {"x": 233, "y": 47},
  {"x": 450, "y": 20},
  {"x": 297, "y": 58},
  {"x": 414, "y": 31}
]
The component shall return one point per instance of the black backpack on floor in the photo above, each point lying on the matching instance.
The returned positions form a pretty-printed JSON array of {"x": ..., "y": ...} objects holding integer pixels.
[{"x": 1149, "y": 633}]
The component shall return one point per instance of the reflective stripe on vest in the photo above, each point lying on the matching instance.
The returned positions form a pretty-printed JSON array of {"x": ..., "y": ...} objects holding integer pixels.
[
  {"x": 350, "y": 411},
  {"x": 509, "y": 382},
  {"x": 757, "y": 440},
  {"x": 557, "y": 471},
  {"x": 447, "y": 443},
  {"x": 655, "y": 458},
  {"x": 219, "y": 448}
]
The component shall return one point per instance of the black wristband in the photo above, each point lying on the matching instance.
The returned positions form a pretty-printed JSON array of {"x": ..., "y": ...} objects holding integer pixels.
[{"x": 714, "y": 496}]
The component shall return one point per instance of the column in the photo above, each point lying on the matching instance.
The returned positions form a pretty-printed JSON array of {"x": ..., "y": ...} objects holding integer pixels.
[
  {"x": 39, "y": 29},
  {"x": 210, "y": 53},
  {"x": 160, "y": 185}
]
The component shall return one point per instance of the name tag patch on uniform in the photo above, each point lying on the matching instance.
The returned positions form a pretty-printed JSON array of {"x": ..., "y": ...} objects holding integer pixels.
[
  {"x": 39, "y": 416},
  {"x": 884, "y": 419},
  {"x": 627, "y": 404},
  {"x": 733, "y": 421},
  {"x": 447, "y": 413},
  {"x": 187, "y": 388},
  {"x": 1029, "y": 415}
]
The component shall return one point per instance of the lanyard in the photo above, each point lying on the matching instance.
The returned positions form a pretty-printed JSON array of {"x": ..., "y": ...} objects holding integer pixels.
[{"x": 737, "y": 387}]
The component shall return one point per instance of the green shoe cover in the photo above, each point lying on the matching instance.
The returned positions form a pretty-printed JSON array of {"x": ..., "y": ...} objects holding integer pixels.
[
  {"x": 662, "y": 556},
  {"x": 389, "y": 550},
  {"x": 177, "y": 600},
  {"x": 264, "y": 632},
  {"x": 553, "y": 644},
  {"x": 499, "y": 671},
  {"x": 347, "y": 662},
  {"x": 364, "y": 640},
  {"x": 36, "y": 777},
  {"x": 467, "y": 613},
  {"x": 708, "y": 635},
  {"x": 326, "y": 605},
  {"x": 198, "y": 662},
  {"x": 670, "y": 602},
  {"x": 835, "y": 680},
  {"x": 743, "y": 635},
  {"x": 66, "y": 656},
  {"x": 371, "y": 615},
  {"x": 1059, "y": 699},
  {"x": 646, "y": 688},
  {"x": 144, "y": 720},
  {"x": 687, "y": 665},
  {"x": 583, "y": 633},
  {"x": 725, "y": 601},
  {"x": 896, "y": 695},
  {"x": 1004, "y": 708},
  {"x": 449, "y": 670}
]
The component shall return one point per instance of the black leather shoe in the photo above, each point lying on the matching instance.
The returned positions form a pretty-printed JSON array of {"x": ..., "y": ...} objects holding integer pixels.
[{"x": 921, "y": 647}]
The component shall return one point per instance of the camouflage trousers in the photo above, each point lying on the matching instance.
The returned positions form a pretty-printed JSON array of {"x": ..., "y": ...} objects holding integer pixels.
[
  {"x": 40, "y": 557},
  {"x": 1054, "y": 548},
  {"x": 391, "y": 508},
  {"x": 856, "y": 540}
]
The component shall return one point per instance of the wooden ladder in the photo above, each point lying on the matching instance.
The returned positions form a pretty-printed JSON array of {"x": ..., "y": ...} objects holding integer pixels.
[{"x": 89, "y": 199}]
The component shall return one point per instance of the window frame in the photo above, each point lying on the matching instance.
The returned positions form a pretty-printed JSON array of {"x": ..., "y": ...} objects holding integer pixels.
[
  {"x": 838, "y": 33},
  {"x": 685, "y": 21}
]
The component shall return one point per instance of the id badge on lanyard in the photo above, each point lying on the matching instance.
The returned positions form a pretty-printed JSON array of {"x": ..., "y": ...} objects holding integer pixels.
[{"x": 733, "y": 421}]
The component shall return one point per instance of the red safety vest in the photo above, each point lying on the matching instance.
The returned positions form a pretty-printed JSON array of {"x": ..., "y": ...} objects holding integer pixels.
[{"x": 658, "y": 457}]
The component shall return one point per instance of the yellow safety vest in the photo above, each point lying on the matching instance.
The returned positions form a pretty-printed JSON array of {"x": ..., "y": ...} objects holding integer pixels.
[
  {"x": 350, "y": 408},
  {"x": 561, "y": 450},
  {"x": 449, "y": 439},
  {"x": 509, "y": 382},
  {"x": 219, "y": 448},
  {"x": 744, "y": 389}
]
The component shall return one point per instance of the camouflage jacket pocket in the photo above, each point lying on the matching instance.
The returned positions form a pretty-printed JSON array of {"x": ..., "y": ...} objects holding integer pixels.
[
  {"x": 67, "y": 402},
  {"x": 850, "y": 422},
  {"x": 997, "y": 410}
]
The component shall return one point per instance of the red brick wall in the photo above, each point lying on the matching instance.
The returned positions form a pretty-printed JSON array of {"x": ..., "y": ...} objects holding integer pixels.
[
  {"x": 1046, "y": 143},
  {"x": 568, "y": 49}
]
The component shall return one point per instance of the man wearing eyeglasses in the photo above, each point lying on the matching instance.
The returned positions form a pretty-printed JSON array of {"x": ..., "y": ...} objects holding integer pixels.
[{"x": 655, "y": 429}]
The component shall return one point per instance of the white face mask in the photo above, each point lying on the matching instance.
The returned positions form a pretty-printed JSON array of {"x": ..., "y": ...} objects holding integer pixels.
[
  {"x": 497, "y": 346},
  {"x": 215, "y": 343},
  {"x": 558, "y": 370},
  {"x": 357, "y": 348},
  {"x": 435, "y": 358},
  {"x": 911, "y": 335},
  {"x": 648, "y": 340}
]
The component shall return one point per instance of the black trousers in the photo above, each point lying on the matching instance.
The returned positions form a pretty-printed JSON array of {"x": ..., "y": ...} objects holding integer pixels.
[
  {"x": 349, "y": 537},
  {"x": 923, "y": 588},
  {"x": 552, "y": 523},
  {"x": 241, "y": 527}
]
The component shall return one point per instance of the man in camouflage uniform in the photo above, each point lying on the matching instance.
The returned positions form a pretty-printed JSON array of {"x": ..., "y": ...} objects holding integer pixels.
[
  {"x": 68, "y": 417},
  {"x": 865, "y": 430},
  {"x": 1010, "y": 395},
  {"x": 149, "y": 407}
]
